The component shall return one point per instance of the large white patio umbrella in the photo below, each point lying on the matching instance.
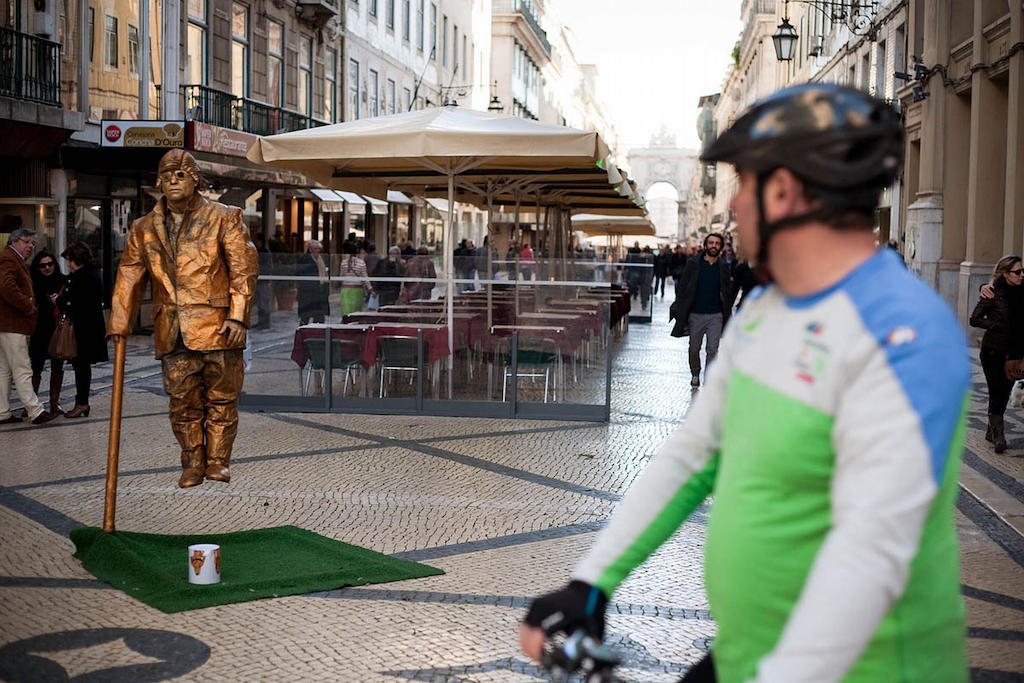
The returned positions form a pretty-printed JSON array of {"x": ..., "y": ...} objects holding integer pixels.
[
  {"x": 483, "y": 153},
  {"x": 613, "y": 228}
]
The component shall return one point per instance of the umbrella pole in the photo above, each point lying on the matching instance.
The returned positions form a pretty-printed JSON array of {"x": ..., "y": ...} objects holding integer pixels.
[
  {"x": 114, "y": 439},
  {"x": 490, "y": 249},
  {"x": 518, "y": 251},
  {"x": 450, "y": 259}
]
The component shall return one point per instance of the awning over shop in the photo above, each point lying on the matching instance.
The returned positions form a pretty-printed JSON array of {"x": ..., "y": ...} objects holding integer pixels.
[
  {"x": 330, "y": 201},
  {"x": 326, "y": 195},
  {"x": 398, "y": 198},
  {"x": 350, "y": 197},
  {"x": 439, "y": 204},
  {"x": 377, "y": 206}
]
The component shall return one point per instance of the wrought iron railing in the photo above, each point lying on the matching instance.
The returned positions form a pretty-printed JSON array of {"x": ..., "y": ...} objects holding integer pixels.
[
  {"x": 29, "y": 67},
  {"x": 529, "y": 10},
  {"x": 534, "y": 25},
  {"x": 224, "y": 109}
]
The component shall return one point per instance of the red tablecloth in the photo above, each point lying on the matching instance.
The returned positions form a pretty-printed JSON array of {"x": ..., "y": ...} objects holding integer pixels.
[
  {"x": 561, "y": 335},
  {"x": 618, "y": 299},
  {"x": 469, "y": 327},
  {"x": 435, "y": 338},
  {"x": 354, "y": 333},
  {"x": 599, "y": 312},
  {"x": 580, "y": 322}
]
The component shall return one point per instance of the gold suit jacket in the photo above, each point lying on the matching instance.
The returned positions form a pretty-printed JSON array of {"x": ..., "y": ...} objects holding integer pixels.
[{"x": 212, "y": 278}]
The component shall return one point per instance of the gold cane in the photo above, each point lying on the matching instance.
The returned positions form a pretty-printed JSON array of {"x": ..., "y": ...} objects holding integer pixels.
[{"x": 114, "y": 440}]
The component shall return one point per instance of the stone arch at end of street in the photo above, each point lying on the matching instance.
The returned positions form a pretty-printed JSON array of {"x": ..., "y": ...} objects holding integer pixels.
[{"x": 662, "y": 161}]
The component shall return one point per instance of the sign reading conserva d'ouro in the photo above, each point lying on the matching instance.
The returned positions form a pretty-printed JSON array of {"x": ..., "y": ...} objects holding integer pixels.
[{"x": 138, "y": 134}]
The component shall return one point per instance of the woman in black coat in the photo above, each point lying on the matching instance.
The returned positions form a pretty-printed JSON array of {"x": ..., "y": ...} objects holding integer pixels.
[
  {"x": 313, "y": 302},
  {"x": 1002, "y": 318},
  {"x": 392, "y": 266},
  {"x": 82, "y": 301},
  {"x": 47, "y": 282}
]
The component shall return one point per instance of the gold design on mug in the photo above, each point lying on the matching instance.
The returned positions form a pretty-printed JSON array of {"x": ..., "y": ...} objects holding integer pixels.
[
  {"x": 216, "y": 559},
  {"x": 197, "y": 561}
]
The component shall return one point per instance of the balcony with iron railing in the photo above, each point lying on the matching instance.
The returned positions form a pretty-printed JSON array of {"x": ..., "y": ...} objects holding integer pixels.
[
  {"x": 29, "y": 68},
  {"x": 528, "y": 10},
  {"x": 219, "y": 108}
]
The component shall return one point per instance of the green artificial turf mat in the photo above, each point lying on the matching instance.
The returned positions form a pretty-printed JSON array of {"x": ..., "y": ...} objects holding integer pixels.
[{"x": 262, "y": 563}]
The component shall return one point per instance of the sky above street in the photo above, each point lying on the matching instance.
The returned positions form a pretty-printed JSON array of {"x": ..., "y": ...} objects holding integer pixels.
[{"x": 655, "y": 59}]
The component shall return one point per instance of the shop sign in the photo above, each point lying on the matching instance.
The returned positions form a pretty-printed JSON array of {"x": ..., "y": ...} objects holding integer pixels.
[
  {"x": 207, "y": 138},
  {"x": 158, "y": 134}
]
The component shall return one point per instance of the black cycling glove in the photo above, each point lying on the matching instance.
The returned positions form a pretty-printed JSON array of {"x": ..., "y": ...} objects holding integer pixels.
[{"x": 578, "y": 605}]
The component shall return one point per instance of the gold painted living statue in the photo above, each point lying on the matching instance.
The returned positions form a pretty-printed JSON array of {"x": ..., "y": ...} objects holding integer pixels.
[{"x": 203, "y": 269}]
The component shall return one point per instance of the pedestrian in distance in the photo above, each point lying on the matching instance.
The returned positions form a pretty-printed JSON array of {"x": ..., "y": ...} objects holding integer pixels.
[
  {"x": 82, "y": 302},
  {"x": 830, "y": 429},
  {"x": 390, "y": 267},
  {"x": 526, "y": 262},
  {"x": 704, "y": 298},
  {"x": 662, "y": 263},
  {"x": 1001, "y": 315},
  {"x": 354, "y": 281},
  {"x": 313, "y": 291},
  {"x": 420, "y": 266},
  {"x": 371, "y": 258},
  {"x": 676, "y": 264},
  {"x": 17, "y": 321},
  {"x": 47, "y": 283},
  {"x": 264, "y": 290}
]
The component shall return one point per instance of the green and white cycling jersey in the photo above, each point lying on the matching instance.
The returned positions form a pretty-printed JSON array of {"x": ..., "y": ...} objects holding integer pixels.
[{"x": 829, "y": 432}]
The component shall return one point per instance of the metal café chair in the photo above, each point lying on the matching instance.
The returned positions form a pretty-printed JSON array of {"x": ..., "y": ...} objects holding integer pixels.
[
  {"x": 398, "y": 353},
  {"x": 537, "y": 356},
  {"x": 345, "y": 355}
]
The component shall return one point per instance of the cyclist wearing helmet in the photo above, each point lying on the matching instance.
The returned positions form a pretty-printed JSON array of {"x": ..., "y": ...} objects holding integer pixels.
[{"x": 830, "y": 430}]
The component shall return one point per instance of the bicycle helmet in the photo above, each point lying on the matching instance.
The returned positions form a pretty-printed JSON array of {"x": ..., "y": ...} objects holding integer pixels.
[{"x": 844, "y": 144}]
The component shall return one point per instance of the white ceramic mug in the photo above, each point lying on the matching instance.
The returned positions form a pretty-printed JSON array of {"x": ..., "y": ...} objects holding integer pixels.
[{"x": 204, "y": 563}]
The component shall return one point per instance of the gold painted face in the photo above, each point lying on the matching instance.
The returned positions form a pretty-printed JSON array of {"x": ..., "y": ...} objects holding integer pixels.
[
  {"x": 177, "y": 185},
  {"x": 178, "y": 176}
]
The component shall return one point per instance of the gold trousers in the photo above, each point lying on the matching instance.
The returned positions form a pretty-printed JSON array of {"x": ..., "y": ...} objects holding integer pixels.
[{"x": 204, "y": 387}]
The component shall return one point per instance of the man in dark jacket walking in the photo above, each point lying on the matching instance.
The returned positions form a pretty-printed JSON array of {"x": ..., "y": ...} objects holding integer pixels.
[{"x": 704, "y": 298}]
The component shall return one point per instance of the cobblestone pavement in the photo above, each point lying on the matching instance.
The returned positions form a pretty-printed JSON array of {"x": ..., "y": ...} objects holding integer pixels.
[{"x": 505, "y": 508}]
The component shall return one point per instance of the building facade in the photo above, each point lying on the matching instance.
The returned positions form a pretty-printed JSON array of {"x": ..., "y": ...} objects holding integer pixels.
[
  {"x": 100, "y": 89},
  {"x": 964, "y": 175},
  {"x": 955, "y": 69}
]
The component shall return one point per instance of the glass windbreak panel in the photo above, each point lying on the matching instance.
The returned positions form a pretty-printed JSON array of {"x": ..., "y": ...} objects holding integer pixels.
[
  {"x": 561, "y": 332},
  {"x": 282, "y": 364},
  {"x": 371, "y": 332}
]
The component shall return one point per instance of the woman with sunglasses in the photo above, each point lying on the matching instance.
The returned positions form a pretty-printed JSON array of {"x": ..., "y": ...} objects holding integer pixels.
[
  {"x": 47, "y": 282},
  {"x": 1002, "y": 317}
]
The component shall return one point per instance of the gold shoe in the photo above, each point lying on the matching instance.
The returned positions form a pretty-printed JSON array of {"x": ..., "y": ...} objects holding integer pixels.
[
  {"x": 190, "y": 476},
  {"x": 218, "y": 471}
]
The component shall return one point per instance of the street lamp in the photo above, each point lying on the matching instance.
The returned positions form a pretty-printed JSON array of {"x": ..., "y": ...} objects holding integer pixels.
[
  {"x": 859, "y": 17},
  {"x": 785, "y": 40},
  {"x": 495, "y": 106}
]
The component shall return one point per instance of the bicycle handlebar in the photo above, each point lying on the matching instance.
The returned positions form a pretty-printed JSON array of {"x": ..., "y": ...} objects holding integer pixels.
[{"x": 578, "y": 652}]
